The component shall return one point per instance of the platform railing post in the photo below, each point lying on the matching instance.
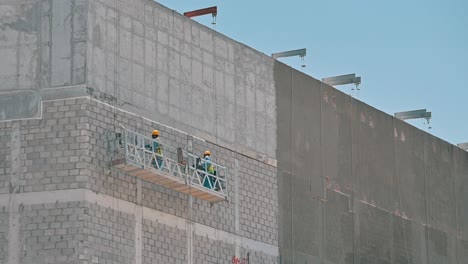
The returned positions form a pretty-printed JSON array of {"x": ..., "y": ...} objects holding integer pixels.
[
  {"x": 143, "y": 150},
  {"x": 125, "y": 146}
]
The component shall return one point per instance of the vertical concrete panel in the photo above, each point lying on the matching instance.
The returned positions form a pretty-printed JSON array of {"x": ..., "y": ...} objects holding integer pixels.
[
  {"x": 45, "y": 44},
  {"x": 409, "y": 244},
  {"x": 19, "y": 44},
  {"x": 138, "y": 48},
  {"x": 441, "y": 246},
  {"x": 306, "y": 133},
  {"x": 461, "y": 188},
  {"x": 137, "y": 79},
  {"x": 8, "y": 41},
  {"x": 410, "y": 193},
  {"x": 440, "y": 183},
  {"x": 8, "y": 68},
  {"x": 97, "y": 48},
  {"x": 185, "y": 69},
  {"x": 79, "y": 47},
  {"x": 440, "y": 200},
  {"x": 250, "y": 119},
  {"x": 373, "y": 155},
  {"x": 338, "y": 228},
  {"x": 307, "y": 226},
  {"x": 99, "y": 80},
  {"x": 112, "y": 57},
  {"x": 336, "y": 130},
  {"x": 125, "y": 42},
  {"x": 307, "y": 178},
  {"x": 460, "y": 158},
  {"x": 463, "y": 250},
  {"x": 27, "y": 65},
  {"x": 61, "y": 39},
  {"x": 283, "y": 77},
  {"x": 149, "y": 85},
  {"x": 375, "y": 235},
  {"x": 150, "y": 53},
  {"x": 29, "y": 34},
  {"x": 124, "y": 75},
  {"x": 174, "y": 96},
  {"x": 299, "y": 166}
]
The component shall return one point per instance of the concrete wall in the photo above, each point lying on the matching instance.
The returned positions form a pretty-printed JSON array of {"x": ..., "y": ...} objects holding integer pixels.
[
  {"x": 42, "y": 44},
  {"x": 147, "y": 59},
  {"x": 315, "y": 176},
  {"x": 359, "y": 186},
  {"x": 144, "y": 60},
  {"x": 166, "y": 67}
]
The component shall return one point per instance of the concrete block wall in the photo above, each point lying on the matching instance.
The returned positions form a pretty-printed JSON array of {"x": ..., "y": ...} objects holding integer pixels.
[
  {"x": 109, "y": 236},
  {"x": 4, "y": 224},
  {"x": 258, "y": 200},
  {"x": 163, "y": 243},
  {"x": 51, "y": 152},
  {"x": 257, "y": 183},
  {"x": 63, "y": 156},
  {"x": 49, "y": 233},
  {"x": 4, "y": 161},
  {"x": 209, "y": 251}
]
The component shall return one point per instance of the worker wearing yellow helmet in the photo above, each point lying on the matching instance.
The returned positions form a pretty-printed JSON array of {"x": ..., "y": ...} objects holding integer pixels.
[
  {"x": 209, "y": 164},
  {"x": 208, "y": 180},
  {"x": 157, "y": 148},
  {"x": 155, "y": 133}
]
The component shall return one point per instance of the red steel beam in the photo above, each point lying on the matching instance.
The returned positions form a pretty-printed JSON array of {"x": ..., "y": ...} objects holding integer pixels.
[{"x": 200, "y": 12}]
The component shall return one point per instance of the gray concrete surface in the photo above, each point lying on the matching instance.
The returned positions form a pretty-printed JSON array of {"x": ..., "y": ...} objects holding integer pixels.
[
  {"x": 25, "y": 104},
  {"x": 155, "y": 62},
  {"x": 320, "y": 177},
  {"x": 147, "y": 59},
  {"x": 42, "y": 43},
  {"x": 359, "y": 186}
]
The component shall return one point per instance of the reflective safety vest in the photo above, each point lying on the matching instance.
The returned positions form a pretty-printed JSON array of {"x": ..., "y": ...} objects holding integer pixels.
[
  {"x": 208, "y": 163},
  {"x": 157, "y": 148}
]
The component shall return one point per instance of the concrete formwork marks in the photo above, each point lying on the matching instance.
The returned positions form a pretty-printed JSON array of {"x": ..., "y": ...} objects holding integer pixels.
[
  {"x": 61, "y": 30},
  {"x": 183, "y": 74},
  {"x": 43, "y": 43}
]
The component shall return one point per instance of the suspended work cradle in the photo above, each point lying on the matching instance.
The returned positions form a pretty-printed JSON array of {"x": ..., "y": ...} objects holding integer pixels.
[{"x": 171, "y": 167}]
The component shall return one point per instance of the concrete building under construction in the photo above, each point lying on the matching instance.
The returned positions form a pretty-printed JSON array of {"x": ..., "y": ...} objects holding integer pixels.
[{"x": 303, "y": 172}]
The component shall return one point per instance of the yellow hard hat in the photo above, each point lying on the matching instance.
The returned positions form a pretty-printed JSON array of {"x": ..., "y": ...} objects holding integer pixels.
[
  {"x": 155, "y": 133},
  {"x": 207, "y": 153}
]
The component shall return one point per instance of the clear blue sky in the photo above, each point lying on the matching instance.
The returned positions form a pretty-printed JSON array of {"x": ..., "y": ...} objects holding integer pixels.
[{"x": 410, "y": 54}]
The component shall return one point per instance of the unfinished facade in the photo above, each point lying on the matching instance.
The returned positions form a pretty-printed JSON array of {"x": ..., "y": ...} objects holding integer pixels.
[{"x": 311, "y": 175}]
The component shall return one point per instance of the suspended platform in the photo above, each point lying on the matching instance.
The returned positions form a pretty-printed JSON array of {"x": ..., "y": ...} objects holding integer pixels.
[{"x": 173, "y": 168}]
